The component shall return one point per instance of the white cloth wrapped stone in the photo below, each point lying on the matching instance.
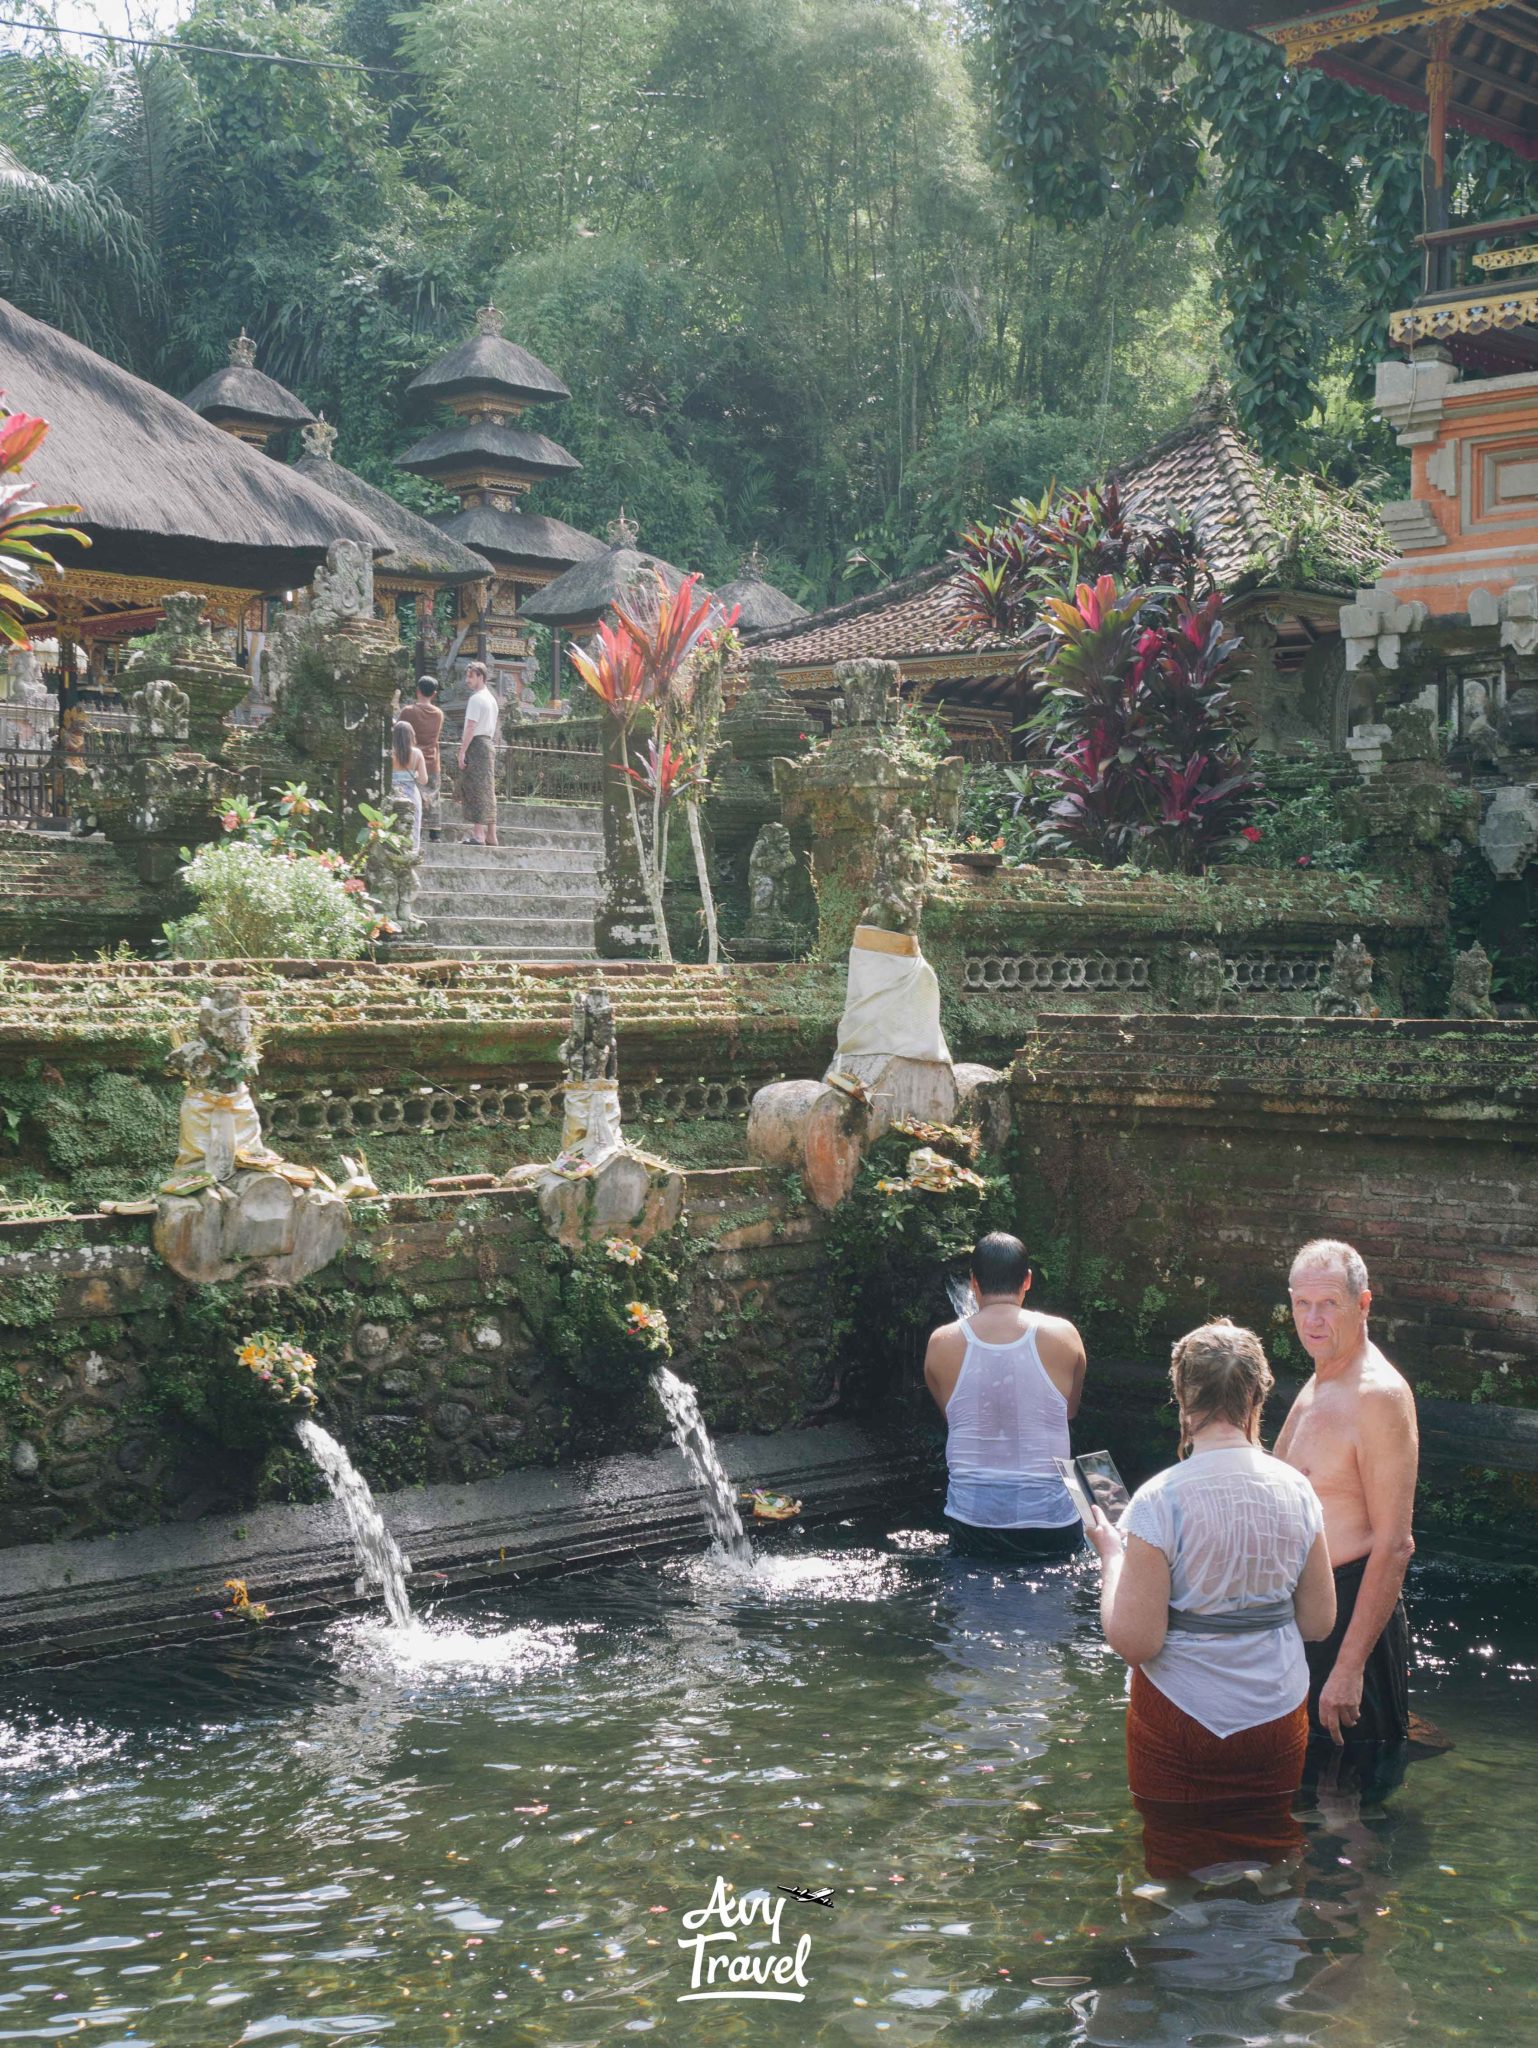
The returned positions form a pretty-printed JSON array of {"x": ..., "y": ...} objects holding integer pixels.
[
  {"x": 892, "y": 1006},
  {"x": 590, "y": 1130}
]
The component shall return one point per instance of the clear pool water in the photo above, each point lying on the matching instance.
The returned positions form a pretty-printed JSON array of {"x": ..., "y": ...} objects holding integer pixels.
[{"x": 497, "y": 1829}]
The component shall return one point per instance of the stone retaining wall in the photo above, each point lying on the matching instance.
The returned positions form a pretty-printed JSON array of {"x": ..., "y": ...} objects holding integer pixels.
[{"x": 121, "y": 1403}]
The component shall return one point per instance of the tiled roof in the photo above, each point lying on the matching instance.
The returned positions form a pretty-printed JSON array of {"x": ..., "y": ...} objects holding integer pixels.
[
  {"x": 1207, "y": 473},
  {"x": 1210, "y": 474},
  {"x": 907, "y": 619}
]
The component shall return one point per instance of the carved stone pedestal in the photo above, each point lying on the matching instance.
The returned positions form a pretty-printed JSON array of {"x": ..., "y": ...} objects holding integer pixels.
[{"x": 258, "y": 1227}]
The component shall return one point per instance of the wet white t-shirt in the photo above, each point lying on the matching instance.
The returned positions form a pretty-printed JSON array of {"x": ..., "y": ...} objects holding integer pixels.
[{"x": 1236, "y": 1526}]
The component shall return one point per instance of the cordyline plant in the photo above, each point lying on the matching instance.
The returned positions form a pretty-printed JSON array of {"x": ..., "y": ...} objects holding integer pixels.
[
  {"x": 1144, "y": 758},
  {"x": 1005, "y": 568},
  {"x": 658, "y": 666},
  {"x": 24, "y": 522}
]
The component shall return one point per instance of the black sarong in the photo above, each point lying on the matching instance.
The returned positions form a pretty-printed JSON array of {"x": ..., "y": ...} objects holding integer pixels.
[
  {"x": 1385, "y": 1676},
  {"x": 1014, "y": 1546}
]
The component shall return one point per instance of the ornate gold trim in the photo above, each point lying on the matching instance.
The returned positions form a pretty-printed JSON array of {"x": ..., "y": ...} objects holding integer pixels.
[
  {"x": 1464, "y": 316},
  {"x": 98, "y": 587},
  {"x": 1506, "y": 259},
  {"x": 1302, "y": 41}
]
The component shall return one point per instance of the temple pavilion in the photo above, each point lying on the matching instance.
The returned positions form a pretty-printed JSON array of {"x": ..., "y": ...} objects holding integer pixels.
[
  {"x": 1296, "y": 688},
  {"x": 1450, "y": 627},
  {"x": 169, "y": 501},
  {"x": 245, "y": 401},
  {"x": 489, "y": 457}
]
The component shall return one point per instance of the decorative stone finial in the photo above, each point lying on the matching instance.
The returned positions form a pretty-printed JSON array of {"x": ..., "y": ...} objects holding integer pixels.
[
  {"x": 488, "y": 320},
  {"x": 589, "y": 1052},
  {"x": 243, "y": 352},
  {"x": 622, "y": 532},
  {"x": 1348, "y": 990},
  {"x": 1214, "y": 405},
  {"x": 182, "y": 613},
  {"x": 751, "y": 567},
  {"x": 319, "y": 438},
  {"x": 902, "y": 878}
]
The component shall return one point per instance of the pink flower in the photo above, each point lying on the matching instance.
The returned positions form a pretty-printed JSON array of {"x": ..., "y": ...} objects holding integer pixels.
[
  {"x": 1305, "y": 860},
  {"x": 231, "y": 821},
  {"x": 1252, "y": 834},
  {"x": 353, "y": 886}
]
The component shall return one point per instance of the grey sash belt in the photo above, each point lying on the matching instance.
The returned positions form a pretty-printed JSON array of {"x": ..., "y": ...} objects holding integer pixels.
[{"x": 1242, "y": 1621}]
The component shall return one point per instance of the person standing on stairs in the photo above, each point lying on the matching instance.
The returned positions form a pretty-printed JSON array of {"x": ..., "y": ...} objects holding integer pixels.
[
  {"x": 408, "y": 776},
  {"x": 478, "y": 759},
  {"x": 426, "y": 721}
]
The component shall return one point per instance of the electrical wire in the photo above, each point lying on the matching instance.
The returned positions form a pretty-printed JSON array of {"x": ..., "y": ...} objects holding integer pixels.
[{"x": 209, "y": 50}]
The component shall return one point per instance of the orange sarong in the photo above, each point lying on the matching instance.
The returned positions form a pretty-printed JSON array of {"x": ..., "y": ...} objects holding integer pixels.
[{"x": 1209, "y": 1799}]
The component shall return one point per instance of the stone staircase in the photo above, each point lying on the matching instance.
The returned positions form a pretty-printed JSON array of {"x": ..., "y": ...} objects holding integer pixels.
[{"x": 533, "y": 897}]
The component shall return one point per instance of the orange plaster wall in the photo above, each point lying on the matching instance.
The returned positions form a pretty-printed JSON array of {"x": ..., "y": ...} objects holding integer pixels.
[{"x": 1488, "y": 428}]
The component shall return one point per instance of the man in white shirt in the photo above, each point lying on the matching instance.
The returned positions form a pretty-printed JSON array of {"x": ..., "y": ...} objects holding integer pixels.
[{"x": 478, "y": 759}]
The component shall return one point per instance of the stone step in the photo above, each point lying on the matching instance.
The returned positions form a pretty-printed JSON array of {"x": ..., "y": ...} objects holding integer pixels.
[
  {"x": 531, "y": 817},
  {"x": 573, "y": 909},
  {"x": 516, "y": 935},
  {"x": 517, "y": 842},
  {"x": 494, "y": 861},
  {"x": 545, "y": 955}
]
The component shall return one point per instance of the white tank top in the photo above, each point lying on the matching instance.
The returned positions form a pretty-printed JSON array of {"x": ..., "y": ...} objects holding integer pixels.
[{"x": 1005, "y": 1423}]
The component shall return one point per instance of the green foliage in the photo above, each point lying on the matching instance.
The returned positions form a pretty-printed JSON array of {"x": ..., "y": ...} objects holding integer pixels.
[
  {"x": 888, "y": 1259},
  {"x": 255, "y": 903},
  {"x": 28, "y": 1300},
  {"x": 762, "y": 242},
  {"x": 996, "y": 804},
  {"x": 1304, "y": 830}
]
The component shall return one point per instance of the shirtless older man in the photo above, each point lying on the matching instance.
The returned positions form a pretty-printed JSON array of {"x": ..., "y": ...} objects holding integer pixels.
[{"x": 1352, "y": 1433}]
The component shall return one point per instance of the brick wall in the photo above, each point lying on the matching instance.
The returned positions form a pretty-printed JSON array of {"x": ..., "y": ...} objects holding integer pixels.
[{"x": 1169, "y": 1168}]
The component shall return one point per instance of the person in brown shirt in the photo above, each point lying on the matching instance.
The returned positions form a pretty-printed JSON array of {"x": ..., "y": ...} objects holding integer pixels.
[{"x": 426, "y": 722}]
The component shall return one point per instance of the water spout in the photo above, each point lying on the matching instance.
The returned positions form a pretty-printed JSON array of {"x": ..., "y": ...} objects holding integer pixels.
[
  {"x": 963, "y": 1300},
  {"x": 378, "y": 1552},
  {"x": 715, "y": 1489}
]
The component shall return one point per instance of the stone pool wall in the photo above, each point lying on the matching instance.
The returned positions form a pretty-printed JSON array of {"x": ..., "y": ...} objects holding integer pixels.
[{"x": 121, "y": 1403}]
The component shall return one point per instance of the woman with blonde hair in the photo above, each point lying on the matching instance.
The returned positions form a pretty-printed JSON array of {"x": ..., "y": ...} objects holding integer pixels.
[{"x": 1223, "y": 1577}]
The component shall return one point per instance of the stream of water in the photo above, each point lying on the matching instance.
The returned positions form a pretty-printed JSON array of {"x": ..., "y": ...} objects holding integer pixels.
[
  {"x": 379, "y": 1555},
  {"x": 718, "y": 1499}
]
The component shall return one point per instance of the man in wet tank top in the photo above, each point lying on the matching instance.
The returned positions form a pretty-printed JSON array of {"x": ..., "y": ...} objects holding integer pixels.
[{"x": 1008, "y": 1382}]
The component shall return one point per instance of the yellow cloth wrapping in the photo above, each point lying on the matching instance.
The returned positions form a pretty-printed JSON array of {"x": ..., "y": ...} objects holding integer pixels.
[
  {"x": 217, "y": 1130},
  {"x": 590, "y": 1129},
  {"x": 892, "y": 1004}
]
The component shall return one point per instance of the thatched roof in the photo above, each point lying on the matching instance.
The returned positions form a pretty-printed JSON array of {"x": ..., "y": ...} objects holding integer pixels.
[
  {"x": 510, "y": 448},
  {"x": 760, "y": 606},
  {"x": 582, "y": 596},
  {"x": 421, "y": 549},
  {"x": 240, "y": 391},
  {"x": 488, "y": 362},
  {"x": 161, "y": 492},
  {"x": 527, "y": 540}
]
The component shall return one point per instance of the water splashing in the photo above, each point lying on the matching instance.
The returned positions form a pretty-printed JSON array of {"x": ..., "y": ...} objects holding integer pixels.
[
  {"x": 378, "y": 1552},
  {"x": 715, "y": 1489},
  {"x": 963, "y": 1300}
]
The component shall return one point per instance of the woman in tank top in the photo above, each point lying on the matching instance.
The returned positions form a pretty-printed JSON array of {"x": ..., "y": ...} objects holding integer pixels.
[
  {"x": 1223, "y": 1577},
  {"x": 1008, "y": 1383}
]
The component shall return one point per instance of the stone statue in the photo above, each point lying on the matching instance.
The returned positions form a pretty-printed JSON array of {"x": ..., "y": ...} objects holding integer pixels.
[
  {"x": 1202, "y": 985},
  {"x": 1348, "y": 990},
  {"x": 220, "y": 1129},
  {"x": 233, "y": 1208},
  {"x": 902, "y": 878},
  {"x": 159, "y": 712},
  {"x": 589, "y": 1052},
  {"x": 344, "y": 589},
  {"x": 391, "y": 870},
  {"x": 182, "y": 619},
  {"x": 771, "y": 866},
  {"x": 1470, "y": 993}
]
